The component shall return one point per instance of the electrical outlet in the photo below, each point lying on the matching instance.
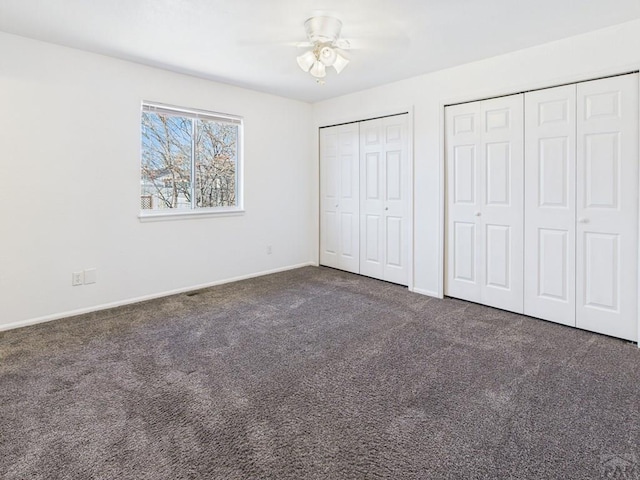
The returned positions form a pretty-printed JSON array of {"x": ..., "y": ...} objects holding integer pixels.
[
  {"x": 77, "y": 278},
  {"x": 269, "y": 250}
]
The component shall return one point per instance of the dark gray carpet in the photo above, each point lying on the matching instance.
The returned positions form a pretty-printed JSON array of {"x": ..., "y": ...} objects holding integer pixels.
[{"x": 315, "y": 374}]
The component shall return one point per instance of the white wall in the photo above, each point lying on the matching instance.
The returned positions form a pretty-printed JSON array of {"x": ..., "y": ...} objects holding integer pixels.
[
  {"x": 69, "y": 169},
  {"x": 603, "y": 52},
  {"x": 69, "y": 184}
]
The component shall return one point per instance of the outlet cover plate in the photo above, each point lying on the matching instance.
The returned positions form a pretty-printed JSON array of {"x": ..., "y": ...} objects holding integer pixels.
[
  {"x": 90, "y": 276},
  {"x": 77, "y": 278}
]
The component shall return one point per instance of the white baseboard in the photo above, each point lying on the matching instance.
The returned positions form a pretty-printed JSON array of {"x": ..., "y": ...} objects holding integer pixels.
[
  {"x": 105, "y": 306},
  {"x": 428, "y": 293}
]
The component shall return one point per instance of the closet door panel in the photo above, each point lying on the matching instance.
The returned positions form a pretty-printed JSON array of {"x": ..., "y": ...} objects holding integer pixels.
[
  {"x": 462, "y": 246},
  {"x": 484, "y": 238},
  {"x": 502, "y": 190},
  {"x": 397, "y": 200},
  {"x": 329, "y": 197},
  {"x": 349, "y": 228},
  {"x": 372, "y": 199},
  {"x": 372, "y": 246},
  {"x": 340, "y": 197},
  {"x": 550, "y": 172},
  {"x": 498, "y": 256},
  {"x": 463, "y": 255},
  {"x": 384, "y": 173},
  {"x": 349, "y": 198},
  {"x": 607, "y": 210}
]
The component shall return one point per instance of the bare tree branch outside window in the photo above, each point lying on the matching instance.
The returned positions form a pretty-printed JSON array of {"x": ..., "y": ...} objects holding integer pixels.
[
  {"x": 188, "y": 162},
  {"x": 215, "y": 164}
]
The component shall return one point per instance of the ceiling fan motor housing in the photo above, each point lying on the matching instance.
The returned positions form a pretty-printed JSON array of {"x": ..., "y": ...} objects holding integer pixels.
[{"x": 323, "y": 29}]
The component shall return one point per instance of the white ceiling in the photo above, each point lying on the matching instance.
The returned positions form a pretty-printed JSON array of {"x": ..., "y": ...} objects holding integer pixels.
[{"x": 252, "y": 43}]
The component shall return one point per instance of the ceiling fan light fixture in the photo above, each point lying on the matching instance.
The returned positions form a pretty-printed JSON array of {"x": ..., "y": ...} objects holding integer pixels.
[
  {"x": 340, "y": 62},
  {"x": 306, "y": 60},
  {"x": 323, "y": 34},
  {"x": 318, "y": 70},
  {"x": 328, "y": 56}
]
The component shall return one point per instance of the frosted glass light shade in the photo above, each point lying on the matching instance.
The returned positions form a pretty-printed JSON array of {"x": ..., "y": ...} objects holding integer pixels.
[
  {"x": 340, "y": 62},
  {"x": 306, "y": 60},
  {"x": 318, "y": 70}
]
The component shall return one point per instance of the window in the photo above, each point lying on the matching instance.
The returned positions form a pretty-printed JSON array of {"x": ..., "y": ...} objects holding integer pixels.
[{"x": 190, "y": 161}]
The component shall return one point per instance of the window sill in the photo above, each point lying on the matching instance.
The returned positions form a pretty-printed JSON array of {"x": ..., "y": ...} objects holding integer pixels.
[{"x": 163, "y": 216}]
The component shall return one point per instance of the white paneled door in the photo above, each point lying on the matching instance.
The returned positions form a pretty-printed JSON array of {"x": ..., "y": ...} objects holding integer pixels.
[
  {"x": 485, "y": 202},
  {"x": 385, "y": 199},
  {"x": 340, "y": 197},
  {"x": 463, "y": 248},
  {"x": 365, "y": 187},
  {"x": 550, "y": 204},
  {"x": 553, "y": 234},
  {"x": 607, "y": 206},
  {"x": 581, "y": 205}
]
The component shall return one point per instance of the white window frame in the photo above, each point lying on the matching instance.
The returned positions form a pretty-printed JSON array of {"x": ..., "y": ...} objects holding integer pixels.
[{"x": 174, "y": 214}]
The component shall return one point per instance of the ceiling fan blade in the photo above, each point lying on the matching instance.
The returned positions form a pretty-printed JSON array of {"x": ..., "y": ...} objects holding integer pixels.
[
  {"x": 267, "y": 43},
  {"x": 388, "y": 43}
]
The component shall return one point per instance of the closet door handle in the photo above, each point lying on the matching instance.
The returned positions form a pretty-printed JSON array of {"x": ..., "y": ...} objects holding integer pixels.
[
  {"x": 477, "y": 214},
  {"x": 583, "y": 220}
]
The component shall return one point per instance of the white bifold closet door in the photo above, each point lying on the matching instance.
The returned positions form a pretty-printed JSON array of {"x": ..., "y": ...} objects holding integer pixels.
[
  {"x": 485, "y": 194},
  {"x": 550, "y": 204},
  {"x": 607, "y": 206},
  {"x": 384, "y": 199},
  {"x": 578, "y": 223},
  {"x": 581, "y": 207},
  {"x": 365, "y": 198},
  {"x": 340, "y": 197}
]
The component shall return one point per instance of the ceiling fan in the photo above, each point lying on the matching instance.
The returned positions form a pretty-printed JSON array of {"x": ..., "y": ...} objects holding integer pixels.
[{"x": 327, "y": 48}]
